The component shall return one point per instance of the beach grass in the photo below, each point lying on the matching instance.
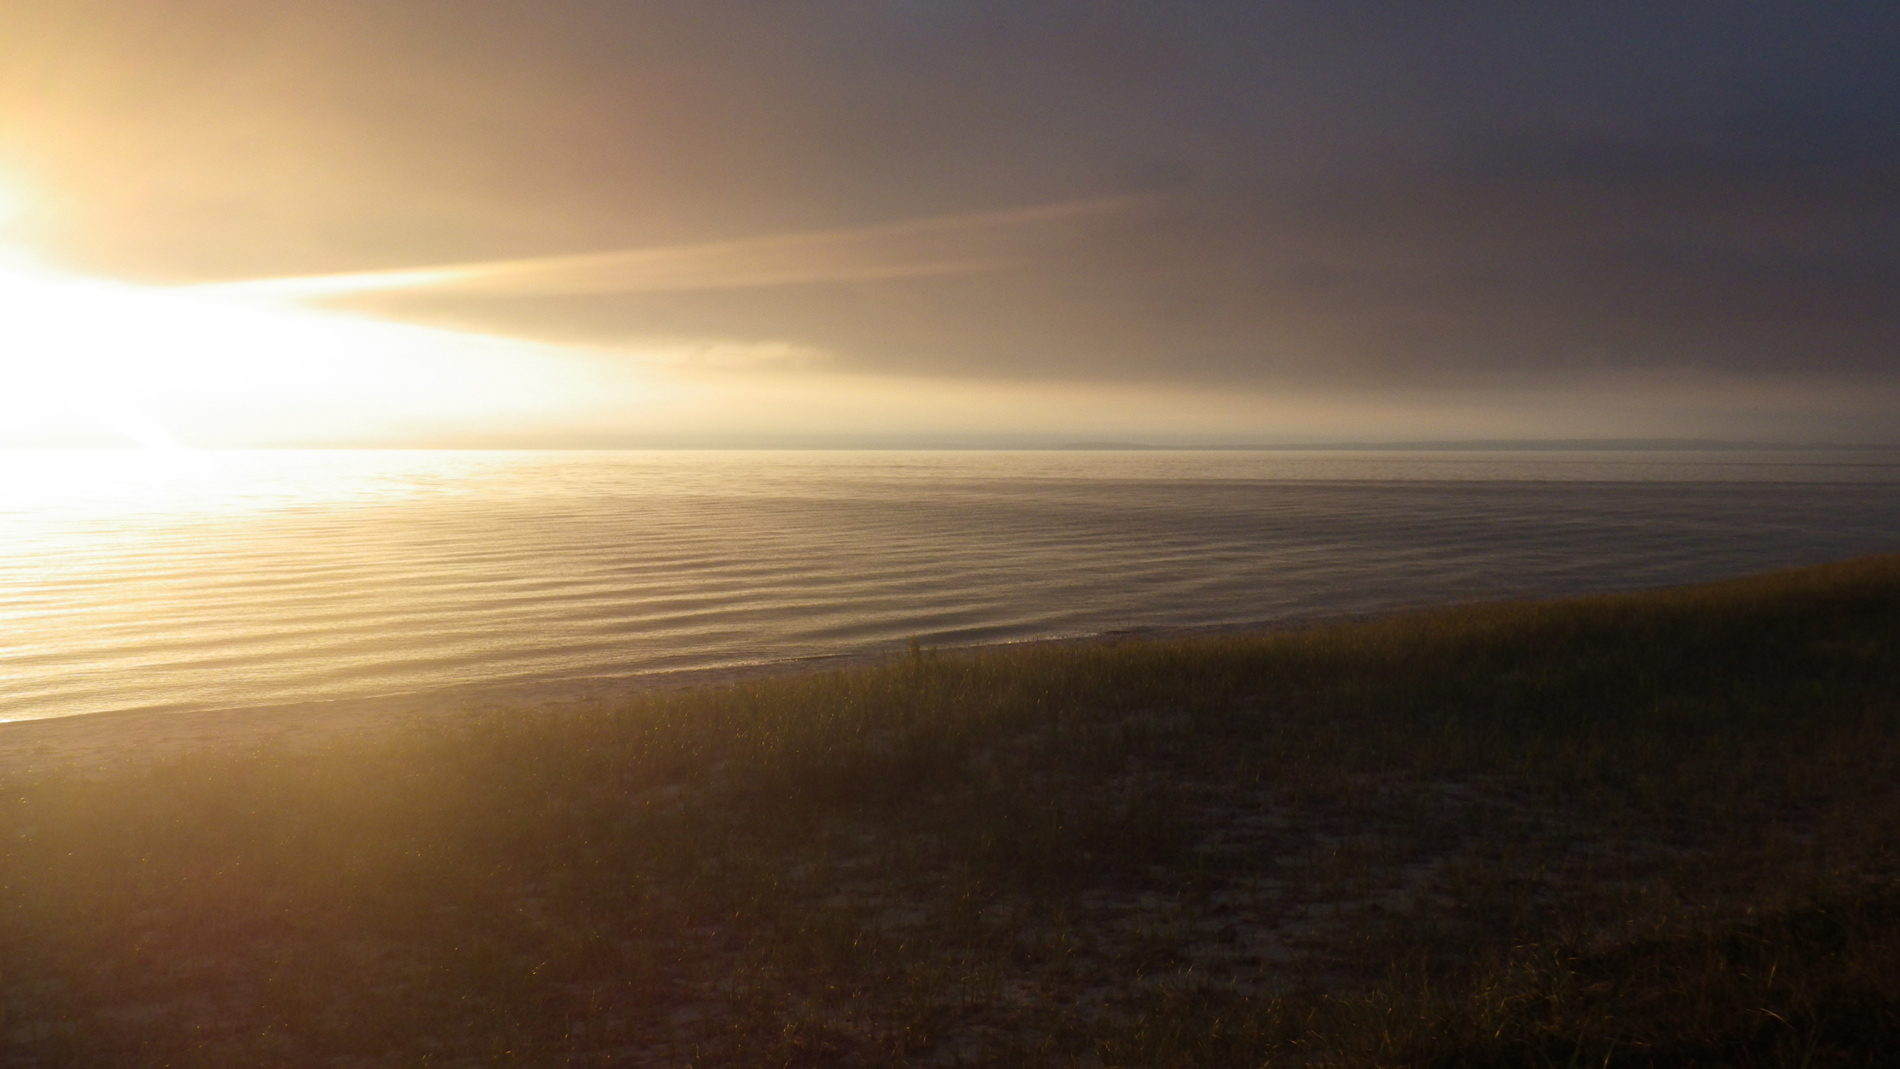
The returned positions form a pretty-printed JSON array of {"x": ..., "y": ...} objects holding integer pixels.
[{"x": 1652, "y": 829}]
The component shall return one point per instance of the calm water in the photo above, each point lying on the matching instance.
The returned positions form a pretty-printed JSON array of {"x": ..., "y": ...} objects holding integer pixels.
[{"x": 237, "y": 579}]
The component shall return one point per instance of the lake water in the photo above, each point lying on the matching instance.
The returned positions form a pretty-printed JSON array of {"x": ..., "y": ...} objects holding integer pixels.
[{"x": 237, "y": 579}]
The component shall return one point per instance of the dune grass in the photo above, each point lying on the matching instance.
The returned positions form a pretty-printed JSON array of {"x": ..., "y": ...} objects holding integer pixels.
[{"x": 1656, "y": 829}]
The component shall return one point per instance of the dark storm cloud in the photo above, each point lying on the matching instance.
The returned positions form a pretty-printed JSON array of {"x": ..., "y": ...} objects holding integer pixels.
[{"x": 1387, "y": 192}]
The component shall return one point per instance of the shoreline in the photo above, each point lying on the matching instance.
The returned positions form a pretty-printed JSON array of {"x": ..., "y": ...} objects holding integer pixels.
[{"x": 114, "y": 737}]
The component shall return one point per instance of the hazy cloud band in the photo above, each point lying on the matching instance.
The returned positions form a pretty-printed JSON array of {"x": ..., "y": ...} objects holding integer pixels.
[{"x": 915, "y": 248}]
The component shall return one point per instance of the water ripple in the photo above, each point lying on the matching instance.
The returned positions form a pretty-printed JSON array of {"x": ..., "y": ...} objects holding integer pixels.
[{"x": 246, "y": 579}]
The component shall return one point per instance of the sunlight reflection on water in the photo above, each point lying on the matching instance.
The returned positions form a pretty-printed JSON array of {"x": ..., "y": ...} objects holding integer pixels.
[{"x": 227, "y": 579}]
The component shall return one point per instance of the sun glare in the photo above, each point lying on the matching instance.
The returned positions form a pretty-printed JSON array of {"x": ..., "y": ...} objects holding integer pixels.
[{"x": 85, "y": 361}]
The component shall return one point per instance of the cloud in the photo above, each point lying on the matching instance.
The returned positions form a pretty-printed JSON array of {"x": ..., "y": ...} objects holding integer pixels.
[
  {"x": 691, "y": 356},
  {"x": 915, "y": 248},
  {"x": 1353, "y": 195}
]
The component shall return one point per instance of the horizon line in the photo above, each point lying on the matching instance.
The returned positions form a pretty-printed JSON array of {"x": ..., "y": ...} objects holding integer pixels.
[{"x": 1630, "y": 444}]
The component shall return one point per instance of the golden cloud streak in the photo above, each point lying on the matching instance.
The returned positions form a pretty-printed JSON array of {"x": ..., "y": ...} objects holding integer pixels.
[{"x": 939, "y": 245}]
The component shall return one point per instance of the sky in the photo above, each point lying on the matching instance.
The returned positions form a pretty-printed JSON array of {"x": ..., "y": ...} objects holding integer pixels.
[{"x": 912, "y": 222}]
